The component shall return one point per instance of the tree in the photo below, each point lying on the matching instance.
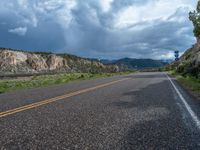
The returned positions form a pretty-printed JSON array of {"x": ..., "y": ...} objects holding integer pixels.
[{"x": 195, "y": 18}]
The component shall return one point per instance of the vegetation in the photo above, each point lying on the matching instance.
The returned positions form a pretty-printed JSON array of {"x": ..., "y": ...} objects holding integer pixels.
[
  {"x": 46, "y": 80},
  {"x": 190, "y": 82},
  {"x": 187, "y": 69},
  {"x": 195, "y": 18},
  {"x": 129, "y": 63}
]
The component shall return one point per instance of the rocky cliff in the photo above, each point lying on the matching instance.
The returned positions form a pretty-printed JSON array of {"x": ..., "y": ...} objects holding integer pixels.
[
  {"x": 189, "y": 62},
  {"x": 19, "y": 62}
]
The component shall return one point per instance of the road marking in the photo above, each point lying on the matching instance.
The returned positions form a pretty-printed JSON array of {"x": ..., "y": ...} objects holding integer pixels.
[
  {"x": 191, "y": 112},
  {"x": 51, "y": 100}
]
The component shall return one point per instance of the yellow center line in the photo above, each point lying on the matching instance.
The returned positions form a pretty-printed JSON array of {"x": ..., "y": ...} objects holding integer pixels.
[{"x": 51, "y": 100}]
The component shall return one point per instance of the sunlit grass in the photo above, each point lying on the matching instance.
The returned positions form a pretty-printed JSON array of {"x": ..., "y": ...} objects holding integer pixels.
[
  {"x": 188, "y": 81},
  {"x": 47, "y": 80}
]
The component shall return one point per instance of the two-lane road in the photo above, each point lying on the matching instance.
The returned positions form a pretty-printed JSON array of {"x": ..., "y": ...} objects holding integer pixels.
[{"x": 139, "y": 111}]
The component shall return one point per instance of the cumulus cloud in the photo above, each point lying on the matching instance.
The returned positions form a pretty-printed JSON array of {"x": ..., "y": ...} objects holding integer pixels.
[
  {"x": 106, "y": 5},
  {"x": 101, "y": 28},
  {"x": 20, "y": 31},
  {"x": 150, "y": 11}
]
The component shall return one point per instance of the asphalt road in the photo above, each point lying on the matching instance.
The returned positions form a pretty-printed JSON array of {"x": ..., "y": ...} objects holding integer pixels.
[{"x": 139, "y": 111}]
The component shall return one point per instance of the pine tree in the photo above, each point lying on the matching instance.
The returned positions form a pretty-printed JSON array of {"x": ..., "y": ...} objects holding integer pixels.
[{"x": 195, "y": 18}]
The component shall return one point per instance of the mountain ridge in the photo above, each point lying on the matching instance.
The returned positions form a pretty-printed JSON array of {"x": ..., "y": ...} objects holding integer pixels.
[{"x": 136, "y": 63}]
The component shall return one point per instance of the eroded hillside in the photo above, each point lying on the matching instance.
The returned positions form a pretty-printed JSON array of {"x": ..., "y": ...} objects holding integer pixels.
[{"x": 19, "y": 62}]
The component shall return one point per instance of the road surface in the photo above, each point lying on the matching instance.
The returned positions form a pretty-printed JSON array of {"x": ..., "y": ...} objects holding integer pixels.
[{"x": 139, "y": 111}]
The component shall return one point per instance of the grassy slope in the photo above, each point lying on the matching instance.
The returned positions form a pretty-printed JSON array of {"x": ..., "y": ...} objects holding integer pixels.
[
  {"x": 189, "y": 82},
  {"x": 46, "y": 80}
]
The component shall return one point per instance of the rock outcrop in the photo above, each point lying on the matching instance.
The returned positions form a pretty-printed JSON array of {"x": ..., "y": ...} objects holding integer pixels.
[
  {"x": 189, "y": 62},
  {"x": 12, "y": 61}
]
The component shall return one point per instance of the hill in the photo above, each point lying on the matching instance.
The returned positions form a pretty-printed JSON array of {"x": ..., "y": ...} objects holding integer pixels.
[
  {"x": 136, "y": 64},
  {"x": 189, "y": 63},
  {"x": 22, "y": 62}
]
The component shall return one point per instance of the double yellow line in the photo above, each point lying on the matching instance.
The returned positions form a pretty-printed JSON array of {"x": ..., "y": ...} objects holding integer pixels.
[{"x": 51, "y": 100}]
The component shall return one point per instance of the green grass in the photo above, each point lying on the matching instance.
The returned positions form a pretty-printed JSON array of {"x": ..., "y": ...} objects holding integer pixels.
[
  {"x": 188, "y": 81},
  {"x": 47, "y": 80}
]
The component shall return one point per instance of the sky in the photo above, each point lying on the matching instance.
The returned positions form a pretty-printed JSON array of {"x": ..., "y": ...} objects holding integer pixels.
[{"x": 104, "y": 29}]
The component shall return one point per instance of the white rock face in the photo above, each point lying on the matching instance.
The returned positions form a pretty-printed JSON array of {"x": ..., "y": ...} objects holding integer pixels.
[
  {"x": 24, "y": 62},
  {"x": 55, "y": 62},
  {"x": 7, "y": 57},
  {"x": 20, "y": 57},
  {"x": 37, "y": 62},
  {"x": 12, "y": 58}
]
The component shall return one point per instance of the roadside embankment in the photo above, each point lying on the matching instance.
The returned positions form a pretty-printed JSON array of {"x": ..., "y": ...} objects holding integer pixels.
[{"x": 189, "y": 82}]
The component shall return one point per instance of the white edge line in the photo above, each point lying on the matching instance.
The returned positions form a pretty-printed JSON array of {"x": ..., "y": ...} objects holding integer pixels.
[{"x": 191, "y": 112}]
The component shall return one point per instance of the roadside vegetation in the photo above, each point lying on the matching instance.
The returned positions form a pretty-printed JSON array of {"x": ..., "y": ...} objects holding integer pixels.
[
  {"x": 47, "y": 80},
  {"x": 188, "y": 81},
  {"x": 187, "y": 69}
]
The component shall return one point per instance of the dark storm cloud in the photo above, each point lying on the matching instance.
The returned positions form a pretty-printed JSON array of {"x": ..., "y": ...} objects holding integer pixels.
[{"x": 102, "y": 28}]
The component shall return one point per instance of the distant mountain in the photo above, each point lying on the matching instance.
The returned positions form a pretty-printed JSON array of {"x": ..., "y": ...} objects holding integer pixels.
[
  {"x": 131, "y": 63},
  {"x": 107, "y": 61}
]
